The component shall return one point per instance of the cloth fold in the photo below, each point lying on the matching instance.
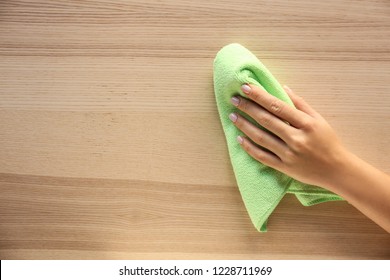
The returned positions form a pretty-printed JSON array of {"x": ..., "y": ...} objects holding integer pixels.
[{"x": 261, "y": 187}]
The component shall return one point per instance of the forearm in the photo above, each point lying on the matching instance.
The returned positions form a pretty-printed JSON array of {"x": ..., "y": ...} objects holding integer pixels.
[{"x": 364, "y": 186}]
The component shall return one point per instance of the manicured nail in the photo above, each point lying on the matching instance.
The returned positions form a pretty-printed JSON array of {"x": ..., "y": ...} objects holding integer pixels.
[
  {"x": 233, "y": 117},
  {"x": 240, "y": 139},
  {"x": 235, "y": 101},
  {"x": 246, "y": 89},
  {"x": 287, "y": 88}
]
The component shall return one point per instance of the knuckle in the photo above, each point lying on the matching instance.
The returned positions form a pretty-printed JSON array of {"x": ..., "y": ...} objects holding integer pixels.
[
  {"x": 265, "y": 119},
  {"x": 276, "y": 107},
  {"x": 259, "y": 138},
  {"x": 260, "y": 156},
  {"x": 308, "y": 124},
  {"x": 298, "y": 144}
]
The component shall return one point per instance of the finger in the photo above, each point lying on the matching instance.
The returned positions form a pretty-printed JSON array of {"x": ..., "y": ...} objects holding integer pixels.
[
  {"x": 275, "y": 106},
  {"x": 264, "y": 118},
  {"x": 300, "y": 103},
  {"x": 259, "y": 136},
  {"x": 259, "y": 154}
]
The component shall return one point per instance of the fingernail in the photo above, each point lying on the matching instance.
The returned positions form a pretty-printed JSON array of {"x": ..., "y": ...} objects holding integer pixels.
[
  {"x": 287, "y": 88},
  {"x": 233, "y": 117},
  {"x": 240, "y": 139},
  {"x": 246, "y": 89},
  {"x": 235, "y": 101}
]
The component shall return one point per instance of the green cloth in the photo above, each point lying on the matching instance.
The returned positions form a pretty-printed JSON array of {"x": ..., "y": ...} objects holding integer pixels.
[{"x": 261, "y": 187}]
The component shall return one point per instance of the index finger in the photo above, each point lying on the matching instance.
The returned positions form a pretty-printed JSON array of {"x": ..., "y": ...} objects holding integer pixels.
[{"x": 275, "y": 106}]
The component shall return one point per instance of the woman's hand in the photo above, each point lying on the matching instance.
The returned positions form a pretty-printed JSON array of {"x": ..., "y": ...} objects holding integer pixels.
[{"x": 301, "y": 143}]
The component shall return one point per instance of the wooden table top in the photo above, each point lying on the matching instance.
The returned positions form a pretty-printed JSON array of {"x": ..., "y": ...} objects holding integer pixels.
[{"x": 110, "y": 142}]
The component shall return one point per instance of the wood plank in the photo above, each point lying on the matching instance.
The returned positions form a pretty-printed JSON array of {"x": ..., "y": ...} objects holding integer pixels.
[{"x": 110, "y": 142}]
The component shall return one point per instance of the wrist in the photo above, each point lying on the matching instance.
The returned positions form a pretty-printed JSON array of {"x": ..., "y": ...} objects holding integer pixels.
[{"x": 343, "y": 171}]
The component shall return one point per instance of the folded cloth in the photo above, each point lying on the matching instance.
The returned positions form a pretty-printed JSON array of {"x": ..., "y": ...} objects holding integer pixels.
[{"x": 261, "y": 187}]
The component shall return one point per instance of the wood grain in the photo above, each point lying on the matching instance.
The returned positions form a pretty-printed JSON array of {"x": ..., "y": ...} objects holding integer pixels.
[{"x": 110, "y": 142}]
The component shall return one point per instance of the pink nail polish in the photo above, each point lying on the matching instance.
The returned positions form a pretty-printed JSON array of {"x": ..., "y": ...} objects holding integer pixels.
[
  {"x": 235, "y": 101},
  {"x": 246, "y": 89},
  {"x": 240, "y": 139},
  {"x": 233, "y": 117}
]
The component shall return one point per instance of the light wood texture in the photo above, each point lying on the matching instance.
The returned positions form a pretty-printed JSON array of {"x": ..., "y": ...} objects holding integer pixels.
[{"x": 110, "y": 142}]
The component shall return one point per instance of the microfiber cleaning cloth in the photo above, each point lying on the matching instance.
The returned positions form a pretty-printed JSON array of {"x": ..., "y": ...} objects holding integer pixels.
[{"x": 261, "y": 187}]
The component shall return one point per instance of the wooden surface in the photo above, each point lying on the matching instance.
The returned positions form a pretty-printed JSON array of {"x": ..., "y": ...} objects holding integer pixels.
[{"x": 110, "y": 142}]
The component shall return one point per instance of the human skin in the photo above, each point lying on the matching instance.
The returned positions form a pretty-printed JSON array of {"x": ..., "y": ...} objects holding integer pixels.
[{"x": 304, "y": 146}]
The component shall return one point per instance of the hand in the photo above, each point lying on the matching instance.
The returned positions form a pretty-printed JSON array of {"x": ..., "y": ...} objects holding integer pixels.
[{"x": 300, "y": 143}]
